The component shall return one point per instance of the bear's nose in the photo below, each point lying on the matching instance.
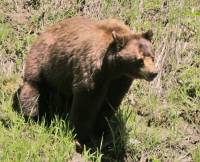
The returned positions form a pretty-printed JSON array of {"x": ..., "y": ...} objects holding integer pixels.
[
  {"x": 153, "y": 75},
  {"x": 154, "y": 72}
]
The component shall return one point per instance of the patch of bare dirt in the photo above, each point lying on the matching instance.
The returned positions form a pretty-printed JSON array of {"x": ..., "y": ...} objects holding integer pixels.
[{"x": 76, "y": 157}]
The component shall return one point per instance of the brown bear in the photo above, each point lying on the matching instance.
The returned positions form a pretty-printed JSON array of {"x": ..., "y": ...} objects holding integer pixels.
[{"x": 84, "y": 68}]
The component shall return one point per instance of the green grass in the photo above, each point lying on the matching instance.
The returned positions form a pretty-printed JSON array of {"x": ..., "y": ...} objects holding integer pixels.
[
  {"x": 196, "y": 154},
  {"x": 21, "y": 141},
  {"x": 158, "y": 122},
  {"x": 28, "y": 142}
]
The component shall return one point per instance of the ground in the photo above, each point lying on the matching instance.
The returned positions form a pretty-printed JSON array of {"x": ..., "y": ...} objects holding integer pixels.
[{"x": 159, "y": 121}]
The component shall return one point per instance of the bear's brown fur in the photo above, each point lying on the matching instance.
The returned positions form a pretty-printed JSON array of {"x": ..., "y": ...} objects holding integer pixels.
[{"x": 84, "y": 68}]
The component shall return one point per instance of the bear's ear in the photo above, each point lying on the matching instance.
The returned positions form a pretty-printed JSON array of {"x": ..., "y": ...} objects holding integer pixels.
[
  {"x": 148, "y": 35},
  {"x": 119, "y": 40}
]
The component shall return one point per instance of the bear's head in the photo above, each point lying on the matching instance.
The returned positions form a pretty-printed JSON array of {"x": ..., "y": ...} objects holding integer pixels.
[{"x": 134, "y": 55}]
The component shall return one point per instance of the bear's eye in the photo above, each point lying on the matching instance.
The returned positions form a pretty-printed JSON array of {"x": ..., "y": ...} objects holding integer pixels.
[
  {"x": 140, "y": 62},
  {"x": 116, "y": 47},
  {"x": 119, "y": 47}
]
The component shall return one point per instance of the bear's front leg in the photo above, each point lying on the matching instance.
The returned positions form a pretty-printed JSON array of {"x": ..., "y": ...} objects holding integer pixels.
[
  {"x": 85, "y": 108},
  {"x": 115, "y": 94},
  {"x": 29, "y": 99}
]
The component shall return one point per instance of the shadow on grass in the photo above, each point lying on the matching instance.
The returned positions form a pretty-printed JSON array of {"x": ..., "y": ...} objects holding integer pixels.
[{"x": 112, "y": 146}]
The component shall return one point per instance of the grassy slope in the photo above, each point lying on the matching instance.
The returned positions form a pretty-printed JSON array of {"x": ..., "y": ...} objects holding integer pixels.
[{"x": 162, "y": 118}]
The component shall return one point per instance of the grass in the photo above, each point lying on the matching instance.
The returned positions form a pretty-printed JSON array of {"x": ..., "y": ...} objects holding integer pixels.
[
  {"x": 157, "y": 122},
  {"x": 196, "y": 154}
]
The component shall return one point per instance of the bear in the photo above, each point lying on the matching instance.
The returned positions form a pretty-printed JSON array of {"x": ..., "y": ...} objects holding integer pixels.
[{"x": 82, "y": 68}]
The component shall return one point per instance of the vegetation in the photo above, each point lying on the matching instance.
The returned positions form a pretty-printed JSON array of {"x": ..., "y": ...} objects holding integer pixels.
[{"x": 157, "y": 122}]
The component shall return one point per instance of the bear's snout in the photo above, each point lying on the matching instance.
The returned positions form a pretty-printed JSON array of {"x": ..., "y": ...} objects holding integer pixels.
[{"x": 152, "y": 75}]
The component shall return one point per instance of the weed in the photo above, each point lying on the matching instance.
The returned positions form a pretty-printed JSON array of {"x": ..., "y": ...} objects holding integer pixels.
[{"x": 196, "y": 154}]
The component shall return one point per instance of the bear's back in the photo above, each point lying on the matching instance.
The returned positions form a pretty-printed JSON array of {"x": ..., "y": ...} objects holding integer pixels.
[{"x": 69, "y": 51}]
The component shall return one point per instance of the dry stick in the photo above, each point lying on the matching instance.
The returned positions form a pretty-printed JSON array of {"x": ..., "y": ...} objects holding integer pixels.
[
  {"x": 162, "y": 59},
  {"x": 159, "y": 64},
  {"x": 15, "y": 4},
  {"x": 141, "y": 10},
  {"x": 143, "y": 157}
]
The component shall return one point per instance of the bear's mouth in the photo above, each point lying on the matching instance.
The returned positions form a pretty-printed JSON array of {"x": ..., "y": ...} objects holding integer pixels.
[
  {"x": 151, "y": 76},
  {"x": 147, "y": 76}
]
